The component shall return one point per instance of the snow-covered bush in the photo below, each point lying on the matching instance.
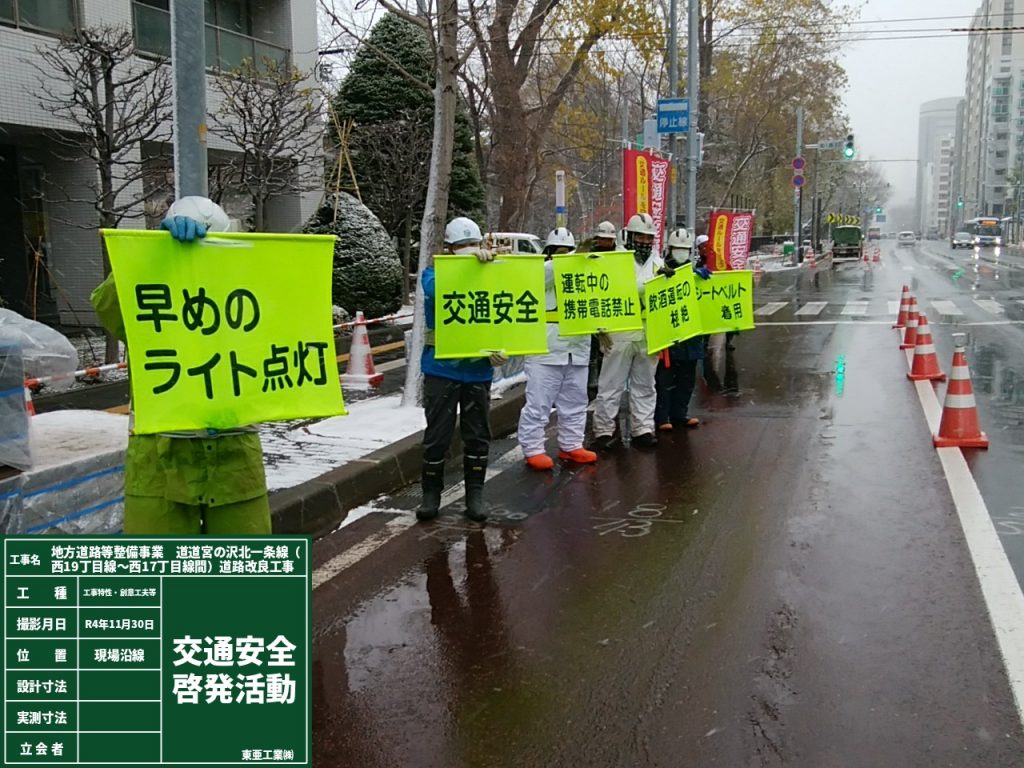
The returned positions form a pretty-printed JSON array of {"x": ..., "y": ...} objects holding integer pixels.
[{"x": 367, "y": 270}]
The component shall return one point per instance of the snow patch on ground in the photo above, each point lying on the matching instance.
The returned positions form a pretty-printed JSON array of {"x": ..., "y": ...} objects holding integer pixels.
[
  {"x": 63, "y": 437},
  {"x": 296, "y": 452}
]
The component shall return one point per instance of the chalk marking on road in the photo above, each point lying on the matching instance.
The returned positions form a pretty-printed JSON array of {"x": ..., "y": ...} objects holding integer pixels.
[
  {"x": 858, "y": 308},
  {"x": 893, "y": 307},
  {"x": 999, "y": 586},
  {"x": 399, "y": 525},
  {"x": 771, "y": 308},
  {"x": 990, "y": 306},
  {"x": 947, "y": 308},
  {"x": 811, "y": 309}
]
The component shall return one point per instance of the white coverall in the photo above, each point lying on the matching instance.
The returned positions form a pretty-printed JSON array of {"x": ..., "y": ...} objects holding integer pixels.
[
  {"x": 558, "y": 378},
  {"x": 628, "y": 362}
]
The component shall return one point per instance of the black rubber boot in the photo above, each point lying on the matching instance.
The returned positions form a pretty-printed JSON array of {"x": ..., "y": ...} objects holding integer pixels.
[
  {"x": 433, "y": 485},
  {"x": 475, "y": 468}
]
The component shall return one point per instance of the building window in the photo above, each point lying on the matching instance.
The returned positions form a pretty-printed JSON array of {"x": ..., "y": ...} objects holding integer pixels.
[
  {"x": 229, "y": 40},
  {"x": 57, "y": 16}
]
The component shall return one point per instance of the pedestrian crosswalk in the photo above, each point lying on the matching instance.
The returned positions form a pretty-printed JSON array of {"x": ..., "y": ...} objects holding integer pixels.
[{"x": 937, "y": 309}]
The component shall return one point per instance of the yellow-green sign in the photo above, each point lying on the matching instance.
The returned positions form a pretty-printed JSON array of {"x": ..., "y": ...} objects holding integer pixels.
[
  {"x": 492, "y": 307},
  {"x": 230, "y": 330},
  {"x": 672, "y": 313},
  {"x": 597, "y": 292},
  {"x": 842, "y": 219},
  {"x": 726, "y": 301}
]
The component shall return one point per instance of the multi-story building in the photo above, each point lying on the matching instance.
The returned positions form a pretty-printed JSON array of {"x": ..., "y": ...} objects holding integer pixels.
[
  {"x": 50, "y": 254},
  {"x": 990, "y": 140},
  {"x": 937, "y": 123}
]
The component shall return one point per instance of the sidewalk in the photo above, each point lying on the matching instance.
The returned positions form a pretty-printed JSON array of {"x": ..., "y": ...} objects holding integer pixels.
[{"x": 347, "y": 461}]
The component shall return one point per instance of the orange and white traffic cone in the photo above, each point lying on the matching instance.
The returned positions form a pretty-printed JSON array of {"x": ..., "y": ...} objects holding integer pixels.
[
  {"x": 959, "y": 425},
  {"x": 910, "y": 334},
  {"x": 878, "y": 255},
  {"x": 811, "y": 263},
  {"x": 28, "y": 402},
  {"x": 901, "y": 321},
  {"x": 926, "y": 362},
  {"x": 758, "y": 269},
  {"x": 361, "y": 372}
]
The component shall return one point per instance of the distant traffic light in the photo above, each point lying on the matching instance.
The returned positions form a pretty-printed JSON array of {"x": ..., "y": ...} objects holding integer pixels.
[
  {"x": 848, "y": 150},
  {"x": 878, "y": 209},
  {"x": 960, "y": 202}
]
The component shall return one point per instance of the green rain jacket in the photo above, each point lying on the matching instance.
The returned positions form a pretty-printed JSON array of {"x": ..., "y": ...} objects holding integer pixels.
[{"x": 216, "y": 470}]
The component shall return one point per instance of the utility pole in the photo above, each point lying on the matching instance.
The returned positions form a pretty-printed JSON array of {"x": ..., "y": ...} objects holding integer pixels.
[
  {"x": 798, "y": 196},
  {"x": 673, "y": 88},
  {"x": 188, "y": 62},
  {"x": 693, "y": 89}
]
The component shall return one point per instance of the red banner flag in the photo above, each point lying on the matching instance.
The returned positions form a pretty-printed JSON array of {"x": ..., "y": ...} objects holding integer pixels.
[
  {"x": 645, "y": 183},
  {"x": 730, "y": 234}
]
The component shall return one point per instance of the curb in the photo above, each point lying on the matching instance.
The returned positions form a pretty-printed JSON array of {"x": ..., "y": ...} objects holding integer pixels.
[{"x": 319, "y": 506}]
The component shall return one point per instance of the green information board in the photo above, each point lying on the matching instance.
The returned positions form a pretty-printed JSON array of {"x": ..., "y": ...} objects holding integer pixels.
[
  {"x": 597, "y": 292},
  {"x": 157, "y": 651}
]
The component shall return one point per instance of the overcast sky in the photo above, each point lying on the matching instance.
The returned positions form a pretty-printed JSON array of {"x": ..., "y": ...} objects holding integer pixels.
[{"x": 890, "y": 79}]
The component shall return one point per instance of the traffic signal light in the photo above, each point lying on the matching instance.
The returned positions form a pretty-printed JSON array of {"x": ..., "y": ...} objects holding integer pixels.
[
  {"x": 960, "y": 202},
  {"x": 878, "y": 209},
  {"x": 848, "y": 150}
]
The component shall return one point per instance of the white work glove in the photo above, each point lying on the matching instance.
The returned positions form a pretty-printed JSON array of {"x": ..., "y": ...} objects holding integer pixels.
[
  {"x": 483, "y": 255},
  {"x": 498, "y": 359},
  {"x": 604, "y": 341}
]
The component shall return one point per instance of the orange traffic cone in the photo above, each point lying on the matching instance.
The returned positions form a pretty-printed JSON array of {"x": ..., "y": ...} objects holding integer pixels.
[
  {"x": 926, "y": 362},
  {"x": 361, "y": 372},
  {"x": 811, "y": 263},
  {"x": 878, "y": 255},
  {"x": 758, "y": 269},
  {"x": 959, "y": 425},
  {"x": 901, "y": 321},
  {"x": 910, "y": 334},
  {"x": 28, "y": 402}
]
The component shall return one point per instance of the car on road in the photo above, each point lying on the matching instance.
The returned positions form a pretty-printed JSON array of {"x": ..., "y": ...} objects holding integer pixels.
[
  {"x": 961, "y": 240},
  {"x": 513, "y": 242},
  {"x": 906, "y": 238}
]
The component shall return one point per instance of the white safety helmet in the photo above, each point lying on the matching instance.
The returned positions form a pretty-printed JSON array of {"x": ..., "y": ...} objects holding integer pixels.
[
  {"x": 605, "y": 231},
  {"x": 641, "y": 224},
  {"x": 701, "y": 239},
  {"x": 203, "y": 210},
  {"x": 680, "y": 238},
  {"x": 462, "y": 231},
  {"x": 560, "y": 237}
]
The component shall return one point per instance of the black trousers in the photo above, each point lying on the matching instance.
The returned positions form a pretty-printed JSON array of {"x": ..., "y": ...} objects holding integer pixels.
[
  {"x": 675, "y": 388},
  {"x": 443, "y": 400}
]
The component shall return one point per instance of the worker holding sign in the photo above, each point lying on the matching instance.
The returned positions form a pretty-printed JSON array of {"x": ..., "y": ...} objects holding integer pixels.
[
  {"x": 558, "y": 378},
  {"x": 626, "y": 361},
  {"x": 456, "y": 387},
  {"x": 677, "y": 366},
  {"x": 189, "y": 482}
]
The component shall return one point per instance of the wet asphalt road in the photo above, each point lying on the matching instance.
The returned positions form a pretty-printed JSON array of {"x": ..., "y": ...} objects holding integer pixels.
[{"x": 786, "y": 585}]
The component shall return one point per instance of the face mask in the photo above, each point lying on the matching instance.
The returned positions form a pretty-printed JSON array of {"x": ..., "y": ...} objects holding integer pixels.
[
  {"x": 467, "y": 250},
  {"x": 642, "y": 252},
  {"x": 679, "y": 255}
]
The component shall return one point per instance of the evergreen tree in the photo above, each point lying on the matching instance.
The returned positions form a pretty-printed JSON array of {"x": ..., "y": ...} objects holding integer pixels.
[{"x": 387, "y": 95}]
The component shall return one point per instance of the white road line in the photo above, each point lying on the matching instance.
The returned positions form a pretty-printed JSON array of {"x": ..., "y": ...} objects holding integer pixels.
[
  {"x": 357, "y": 552},
  {"x": 885, "y": 322},
  {"x": 811, "y": 309},
  {"x": 947, "y": 308},
  {"x": 858, "y": 308},
  {"x": 999, "y": 586},
  {"x": 990, "y": 306},
  {"x": 399, "y": 525},
  {"x": 771, "y": 308},
  {"x": 908, "y": 268},
  {"x": 893, "y": 308}
]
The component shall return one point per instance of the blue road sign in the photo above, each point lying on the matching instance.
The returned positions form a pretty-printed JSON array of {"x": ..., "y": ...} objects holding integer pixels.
[{"x": 673, "y": 115}]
